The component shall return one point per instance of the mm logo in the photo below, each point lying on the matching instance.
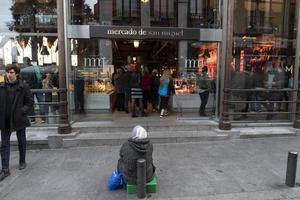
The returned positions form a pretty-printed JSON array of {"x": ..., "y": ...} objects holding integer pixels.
[
  {"x": 193, "y": 63},
  {"x": 94, "y": 62}
]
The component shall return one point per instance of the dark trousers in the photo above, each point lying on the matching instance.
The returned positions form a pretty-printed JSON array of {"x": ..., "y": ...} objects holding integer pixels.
[
  {"x": 146, "y": 98},
  {"x": 5, "y": 146},
  {"x": 164, "y": 100},
  {"x": 127, "y": 98},
  {"x": 79, "y": 100},
  {"x": 204, "y": 98},
  {"x": 120, "y": 101},
  {"x": 154, "y": 100}
]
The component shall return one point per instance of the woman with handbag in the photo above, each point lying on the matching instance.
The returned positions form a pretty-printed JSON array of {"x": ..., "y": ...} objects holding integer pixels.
[{"x": 166, "y": 89}]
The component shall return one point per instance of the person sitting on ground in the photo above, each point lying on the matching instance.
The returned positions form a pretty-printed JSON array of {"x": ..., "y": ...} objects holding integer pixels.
[{"x": 138, "y": 146}]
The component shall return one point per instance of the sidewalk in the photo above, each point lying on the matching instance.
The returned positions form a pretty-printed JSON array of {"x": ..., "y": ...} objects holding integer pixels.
[
  {"x": 115, "y": 129},
  {"x": 237, "y": 169}
]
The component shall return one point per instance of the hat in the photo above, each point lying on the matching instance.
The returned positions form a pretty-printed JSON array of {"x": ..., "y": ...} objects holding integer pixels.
[{"x": 139, "y": 132}]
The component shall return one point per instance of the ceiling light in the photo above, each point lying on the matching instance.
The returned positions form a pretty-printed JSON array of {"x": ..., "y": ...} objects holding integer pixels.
[{"x": 136, "y": 44}]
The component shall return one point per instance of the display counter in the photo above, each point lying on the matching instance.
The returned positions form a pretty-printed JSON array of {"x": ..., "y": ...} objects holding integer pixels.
[
  {"x": 190, "y": 102},
  {"x": 97, "y": 101},
  {"x": 97, "y": 86}
]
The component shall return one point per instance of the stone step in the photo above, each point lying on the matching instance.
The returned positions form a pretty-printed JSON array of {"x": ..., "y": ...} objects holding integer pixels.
[
  {"x": 108, "y": 138},
  {"x": 259, "y": 132},
  {"x": 98, "y": 127}
]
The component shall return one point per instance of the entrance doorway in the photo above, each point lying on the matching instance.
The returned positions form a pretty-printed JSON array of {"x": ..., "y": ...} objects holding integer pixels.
[{"x": 193, "y": 66}]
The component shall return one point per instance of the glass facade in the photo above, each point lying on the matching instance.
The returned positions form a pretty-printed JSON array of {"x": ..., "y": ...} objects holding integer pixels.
[
  {"x": 185, "y": 37},
  {"x": 164, "y": 13},
  {"x": 28, "y": 38},
  {"x": 97, "y": 59},
  {"x": 264, "y": 47}
]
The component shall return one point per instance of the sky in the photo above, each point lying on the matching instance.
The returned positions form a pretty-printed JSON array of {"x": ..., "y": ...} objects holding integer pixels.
[{"x": 5, "y": 14}]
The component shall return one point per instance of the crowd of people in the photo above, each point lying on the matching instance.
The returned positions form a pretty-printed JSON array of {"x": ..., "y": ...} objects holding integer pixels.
[
  {"x": 261, "y": 80},
  {"x": 38, "y": 78},
  {"x": 140, "y": 92}
]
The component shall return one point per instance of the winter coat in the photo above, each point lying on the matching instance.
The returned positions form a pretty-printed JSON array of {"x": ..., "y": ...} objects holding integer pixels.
[
  {"x": 135, "y": 79},
  {"x": 155, "y": 85},
  {"x": 130, "y": 152},
  {"x": 21, "y": 106},
  {"x": 32, "y": 77},
  {"x": 146, "y": 82},
  {"x": 119, "y": 86}
]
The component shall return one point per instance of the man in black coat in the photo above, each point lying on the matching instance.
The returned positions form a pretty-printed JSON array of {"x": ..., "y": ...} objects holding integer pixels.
[
  {"x": 16, "y": 102},
  {"x": 138, "y": 146}
]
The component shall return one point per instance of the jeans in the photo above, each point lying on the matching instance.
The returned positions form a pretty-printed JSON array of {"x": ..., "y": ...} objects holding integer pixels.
[
  {"x": 5, "y": 146},
  {"x": 204, "y": 98},
  {"x": 127, "y": 98},
  {"x": 40, "y": 98}
]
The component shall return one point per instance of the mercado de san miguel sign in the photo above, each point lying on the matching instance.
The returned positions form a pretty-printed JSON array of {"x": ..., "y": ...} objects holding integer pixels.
[{"x": 132, "y": 32}]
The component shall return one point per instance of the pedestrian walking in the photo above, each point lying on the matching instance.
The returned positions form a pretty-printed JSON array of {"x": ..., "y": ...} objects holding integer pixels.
[
  {"x": 16, "y": 102},
  {"x": 166, "y": 89}
]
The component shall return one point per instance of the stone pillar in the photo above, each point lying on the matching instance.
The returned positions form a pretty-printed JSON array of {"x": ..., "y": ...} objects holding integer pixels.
[
  {"x": 64, "y": 124},
  {"x": 226, "y": 58},
  {"x": 183, "y": 46}
]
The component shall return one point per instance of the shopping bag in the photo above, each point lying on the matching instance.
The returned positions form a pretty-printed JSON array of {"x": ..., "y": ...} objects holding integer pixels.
[
  {"x": 149, "y": 108},
  {"x": 116, "y": 180}
]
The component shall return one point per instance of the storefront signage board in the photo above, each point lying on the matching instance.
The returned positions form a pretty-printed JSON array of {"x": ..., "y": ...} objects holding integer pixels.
[{"x": 131, "y": 32}]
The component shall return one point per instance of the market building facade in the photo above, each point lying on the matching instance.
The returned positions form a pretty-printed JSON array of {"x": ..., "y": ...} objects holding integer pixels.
[{"x": 249, "y": 48}]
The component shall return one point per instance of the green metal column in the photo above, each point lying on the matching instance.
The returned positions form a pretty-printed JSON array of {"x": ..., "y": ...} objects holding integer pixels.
[
  {"x": 226, "y": 57},
  {"x": 64, "y": 125}
]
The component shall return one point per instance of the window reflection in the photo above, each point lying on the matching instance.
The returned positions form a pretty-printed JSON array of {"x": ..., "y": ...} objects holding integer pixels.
[
  {"x": 126, "y": 12},
  {"x": 200, "y": 13},
  {"x": 30, "y": 16},
  {"x": 263, "y": 57},
  {"x": 205, "y": 13},
  {"x": 162, "y": 13}
]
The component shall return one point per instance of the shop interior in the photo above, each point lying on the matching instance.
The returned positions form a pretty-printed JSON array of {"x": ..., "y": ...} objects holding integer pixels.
[{"x": 155, "y": 55}]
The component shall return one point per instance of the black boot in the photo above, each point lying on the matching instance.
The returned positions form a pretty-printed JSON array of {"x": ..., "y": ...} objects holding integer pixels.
[
  {"x": 4, "y": 173},
  {"x": 22, "y": 166}
]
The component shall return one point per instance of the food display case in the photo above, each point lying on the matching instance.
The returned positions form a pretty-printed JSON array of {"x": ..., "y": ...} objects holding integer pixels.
[
  {"x": 187, "y": 93},
  {"x": 96, "y": 81},
  {"x": 185, "y": 86},
  {"x": 98, "y": 88}
]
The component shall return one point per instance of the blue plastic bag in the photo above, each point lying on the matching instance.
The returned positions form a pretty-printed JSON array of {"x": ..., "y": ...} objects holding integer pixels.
[{"x": 115, "y": 181}]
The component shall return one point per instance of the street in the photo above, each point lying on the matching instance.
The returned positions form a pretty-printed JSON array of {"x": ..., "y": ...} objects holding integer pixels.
[{"x": 243, "y": 169}]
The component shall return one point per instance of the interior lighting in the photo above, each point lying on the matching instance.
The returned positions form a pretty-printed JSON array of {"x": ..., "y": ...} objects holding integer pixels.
[{"x": 136, "y": 44}]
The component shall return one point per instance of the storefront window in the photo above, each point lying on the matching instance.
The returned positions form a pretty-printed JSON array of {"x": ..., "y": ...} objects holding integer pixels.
[
  {"x": 195, "y": 84},
  {"x": 90, "y": 76},
  {"x": 28, "y": 38},
  {"x": 263, "y": 59}
]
